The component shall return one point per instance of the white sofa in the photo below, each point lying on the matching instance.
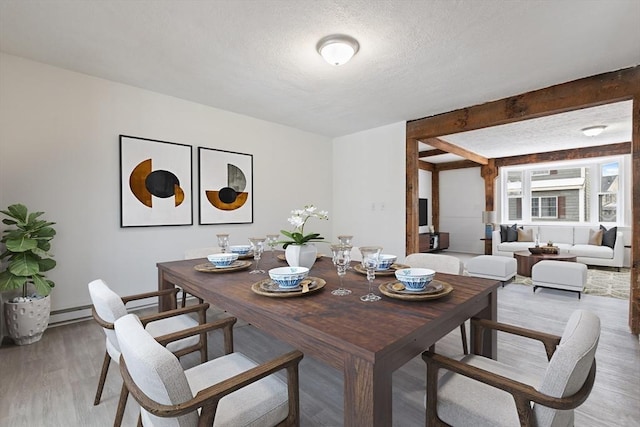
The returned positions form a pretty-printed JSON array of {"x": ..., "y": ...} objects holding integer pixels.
[{"x": 569, "y": 239}]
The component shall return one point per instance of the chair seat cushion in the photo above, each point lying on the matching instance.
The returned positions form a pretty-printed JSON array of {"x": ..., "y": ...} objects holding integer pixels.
[
  {"x": 174, "y": 324},
  {"x": 463, "y": 401},
  {"x": 263, "y": 403},
  {"x": 592, "y": 251}
]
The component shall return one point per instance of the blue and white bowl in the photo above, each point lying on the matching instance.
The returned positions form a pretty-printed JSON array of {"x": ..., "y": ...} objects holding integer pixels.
[
  {"x": 222, "y": 260},
  {"x": 385, "y": 261},
  {"x": 415, "y": 279},
  {"x": 240, "y": 249},
  {"x": 288, "y": 277}
]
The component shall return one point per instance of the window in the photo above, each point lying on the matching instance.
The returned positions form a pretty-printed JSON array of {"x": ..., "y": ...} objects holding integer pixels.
[
  {"x": 544, "y": 207},
  {"x": 514, "y": 195},
  {"x": 607, "y": 206},
  {"x": 578, "y": 191}
]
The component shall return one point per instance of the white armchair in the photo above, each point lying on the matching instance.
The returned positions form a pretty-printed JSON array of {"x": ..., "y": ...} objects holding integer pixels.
[
  {"x": 481, "y": 392},
  {"x": 109, "y": 307},
  {"x": 440, "y": 264},
  {"x": 231, "y": 390}
]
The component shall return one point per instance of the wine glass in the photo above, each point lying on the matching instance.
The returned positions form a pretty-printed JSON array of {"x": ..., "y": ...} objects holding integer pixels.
[
  {"x": 370, "y": 256},
  {"x": 257, "y": 244},
  {"x": 345, "y": 239},
  {"x": 223, "y": 242},
  {"x": 341, "y": 259},
  {"x": 272, "y": 241}
]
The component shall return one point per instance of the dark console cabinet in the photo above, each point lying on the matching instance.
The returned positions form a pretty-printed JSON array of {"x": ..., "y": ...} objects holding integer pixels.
[{"x": 432, "y": 242}]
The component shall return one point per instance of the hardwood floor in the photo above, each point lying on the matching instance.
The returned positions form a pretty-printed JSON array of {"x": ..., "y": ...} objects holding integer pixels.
[{"x": 53, "y": 382}]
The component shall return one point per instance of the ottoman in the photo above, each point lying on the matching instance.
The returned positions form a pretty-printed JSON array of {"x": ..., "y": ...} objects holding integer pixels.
[
  {"x": 492, "y": 267},
  {"x": 567, "y": 276}
]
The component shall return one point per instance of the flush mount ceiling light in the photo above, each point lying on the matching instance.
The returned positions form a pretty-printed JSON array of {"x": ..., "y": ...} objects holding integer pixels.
[
  {"x": 593, "y": 130},
  {"x": 337, "y": 49}
]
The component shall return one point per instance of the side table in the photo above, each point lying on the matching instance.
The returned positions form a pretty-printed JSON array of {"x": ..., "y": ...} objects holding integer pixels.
[{"x": 488, "y": 245}]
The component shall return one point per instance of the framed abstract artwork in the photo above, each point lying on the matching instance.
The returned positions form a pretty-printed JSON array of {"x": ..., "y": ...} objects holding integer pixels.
[
  {"x": 225, "y": 187},
  {"x": 156, "y": 183}
]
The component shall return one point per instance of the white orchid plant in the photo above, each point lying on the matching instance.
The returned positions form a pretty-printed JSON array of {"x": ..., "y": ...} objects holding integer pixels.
[{"x": 298, "y": 219}]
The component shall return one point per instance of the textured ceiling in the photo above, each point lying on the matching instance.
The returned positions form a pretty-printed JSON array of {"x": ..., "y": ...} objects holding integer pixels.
[{"x": 258, "y": 58}]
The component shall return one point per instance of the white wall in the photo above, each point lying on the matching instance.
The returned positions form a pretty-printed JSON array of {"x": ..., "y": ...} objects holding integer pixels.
[
  {"x": 369, "y": 188},
  {"x": 59, "y": 154},
  {"x": 461, "y": 204}
]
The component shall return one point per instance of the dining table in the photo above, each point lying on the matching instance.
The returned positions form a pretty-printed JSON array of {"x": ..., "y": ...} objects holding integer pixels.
[{"x": 367, "y": 341}]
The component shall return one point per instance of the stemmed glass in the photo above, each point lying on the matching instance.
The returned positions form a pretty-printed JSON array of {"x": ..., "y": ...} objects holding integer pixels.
[
  {"x": 257, "y": 244},
  {"x": 345, "y": 239},
  {"x": 341, "y": 259},
  {"x": 223, "y": 242},
  {"x": 272, "y": 241},
  {"x": 370, "y": 257}
]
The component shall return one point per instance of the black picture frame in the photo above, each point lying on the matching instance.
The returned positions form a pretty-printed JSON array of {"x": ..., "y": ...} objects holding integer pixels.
[
  {"x": 225, "y": 187},
  {"x": 156, "y": 183}
]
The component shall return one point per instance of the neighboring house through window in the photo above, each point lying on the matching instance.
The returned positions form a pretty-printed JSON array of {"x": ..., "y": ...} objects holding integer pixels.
[{"x": 573, "y": 191}]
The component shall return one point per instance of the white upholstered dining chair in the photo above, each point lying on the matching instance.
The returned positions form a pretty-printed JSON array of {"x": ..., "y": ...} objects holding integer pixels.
[
  {"x": 109, "y": 307},
  {"x": 231, "y": 390},
  {"x": 440, "y": 263},
  {"x": 480, "y": 392}
]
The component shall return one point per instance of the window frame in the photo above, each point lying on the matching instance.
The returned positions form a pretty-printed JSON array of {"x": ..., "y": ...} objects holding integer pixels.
[{"x": 594, "y": 174}]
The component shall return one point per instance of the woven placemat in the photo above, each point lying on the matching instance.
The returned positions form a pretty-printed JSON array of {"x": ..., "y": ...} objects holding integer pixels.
[
  {"x": 386, "y": 289},
  {"x": 257, "y": 288},
  {"x": 390, "y": 272},
  {"x": 210, "y": 268}
]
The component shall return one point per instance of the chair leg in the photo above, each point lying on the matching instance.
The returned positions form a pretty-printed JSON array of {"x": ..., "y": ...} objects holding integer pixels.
[
  {"x": 184, "y": 298},
  {"x": 463, "y": 332},
  {"x": 122, "y": 403},
  {"x": 204, "y": 346},
  {"x": 103, "y": 377}
]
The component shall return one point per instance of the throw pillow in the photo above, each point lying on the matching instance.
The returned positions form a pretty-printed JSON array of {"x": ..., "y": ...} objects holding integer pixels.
[
  {"x": 609, "y": 236},
  {"x": 525, "y": 235},
  {"x": 503, "y": 233},
  {"x": 512, "y": 233},
  {"x": 595, "y": 237}
]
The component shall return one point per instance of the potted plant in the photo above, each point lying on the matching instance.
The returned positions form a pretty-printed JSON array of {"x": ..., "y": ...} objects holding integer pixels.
[
  {"x": 298, "y": 251},
  {"x": 25, "y": 258}
]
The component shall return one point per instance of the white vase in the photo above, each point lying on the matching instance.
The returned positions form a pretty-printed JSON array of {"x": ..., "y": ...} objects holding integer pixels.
[
  {"x": 27, "y": 321},
  {"x": 301, "y": 255}
]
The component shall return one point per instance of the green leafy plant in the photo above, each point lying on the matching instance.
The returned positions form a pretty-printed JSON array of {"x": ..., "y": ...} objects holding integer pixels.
[
  {"x": 298, "y": 219},
  {"x": 26, "y": 251}
]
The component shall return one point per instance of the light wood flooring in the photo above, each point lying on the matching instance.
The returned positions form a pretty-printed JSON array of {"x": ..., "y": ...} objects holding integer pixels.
[{"x": 53, "y": 382}]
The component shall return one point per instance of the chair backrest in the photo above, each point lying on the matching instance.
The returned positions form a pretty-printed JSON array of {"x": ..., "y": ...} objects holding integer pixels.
[
  {"x": 200, "y": 252},
  {"x": 109, "y": 307},
  {"x": 155, "y": 370},
  {"x": 438, "y": 262},
  {"x": 569, "y": 366}
]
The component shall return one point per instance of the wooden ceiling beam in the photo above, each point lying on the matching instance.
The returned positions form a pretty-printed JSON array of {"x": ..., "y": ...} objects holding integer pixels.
[
  {"x": 431, "y": 153},
  {"x": 570, "y": 154},
  {"x": 461, "y": 164},
  {"x": 583, "y": 93},
  {"x": 441, "y": 144},
  {"x": 426, "y": 166}
]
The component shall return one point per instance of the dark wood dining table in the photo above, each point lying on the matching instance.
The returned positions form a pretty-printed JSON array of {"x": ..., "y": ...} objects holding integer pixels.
[{"x": 368, "y": 341}]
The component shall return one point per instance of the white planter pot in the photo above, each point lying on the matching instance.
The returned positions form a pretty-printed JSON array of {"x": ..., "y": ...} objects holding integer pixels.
[
  {"x": 301, "y": 255},
  {"x": 26, "y": 321}
]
